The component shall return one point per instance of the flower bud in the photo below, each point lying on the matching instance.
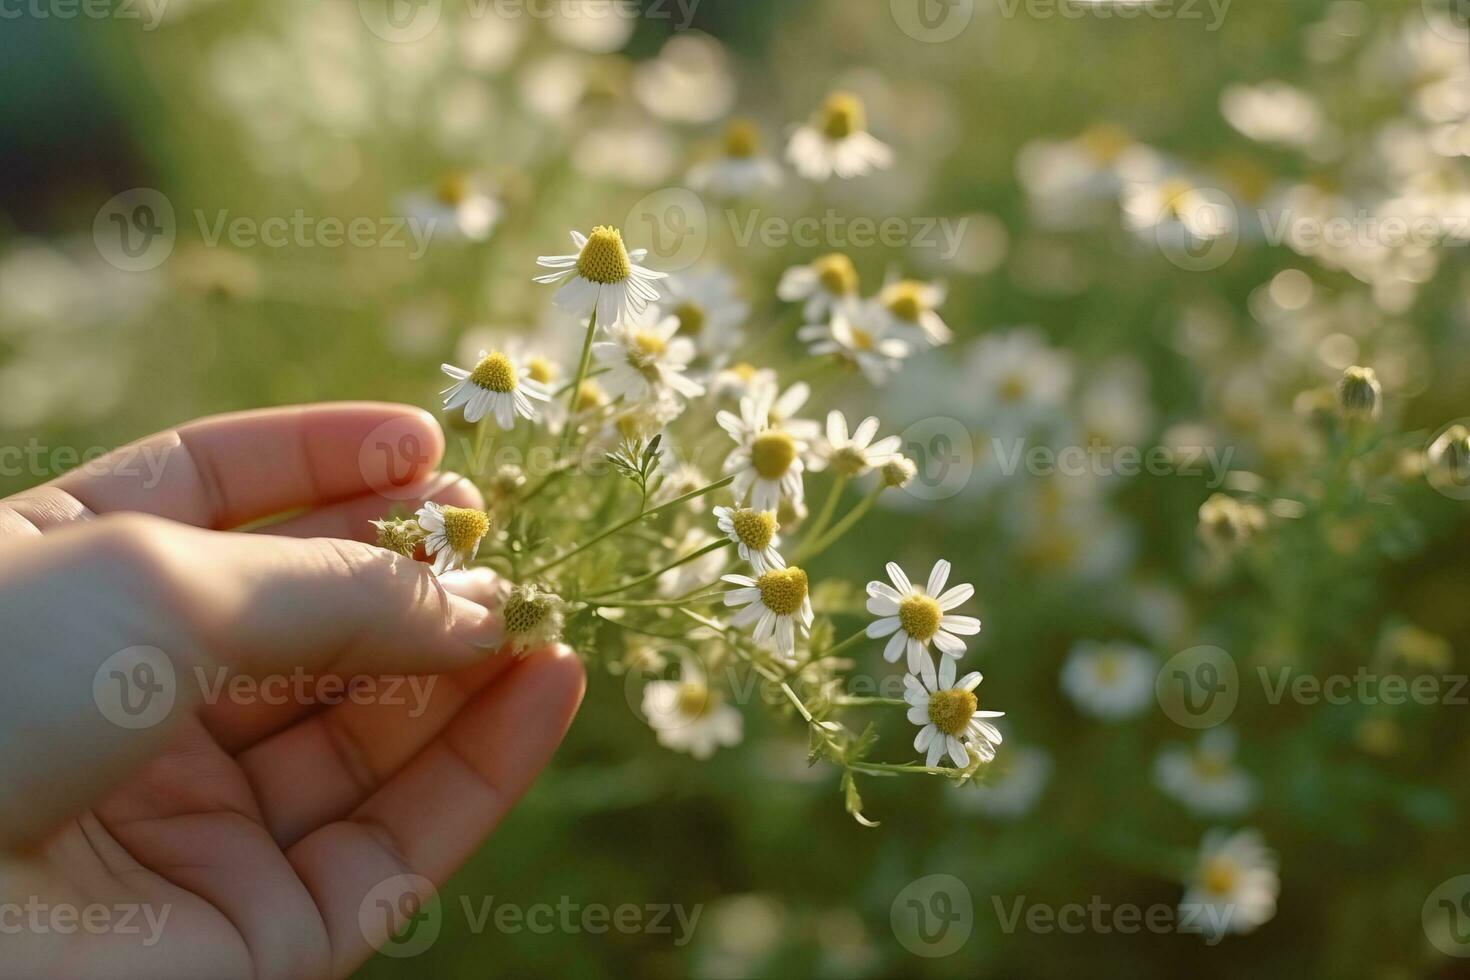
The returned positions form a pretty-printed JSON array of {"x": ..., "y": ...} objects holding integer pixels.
[{"x": 1359, "y": 394}]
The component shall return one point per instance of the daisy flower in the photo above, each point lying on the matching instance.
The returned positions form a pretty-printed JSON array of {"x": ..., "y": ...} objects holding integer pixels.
[
  {"x": 830, "y": 283},
  {"x": 452, "y": 534},
  {"x": 708, "y": 310},
  {"x": 456, "y": 209},
  {"x": 741, "y": 169},
  {"x": 603, "y": 277},
  {"x": 643, "y": 360},
  {"x": 949, "y": 716},
  {"x": 856, "y": 454},
  {"x": 909, "y": 305},
  {"x": 837, "y": 142},
  {"x": 767, "y": 461},
  {"x": 865, "y": 348},
  {"x": 785, "y": 405},
  {"x": 1109, "y": 681},
  {"x": 1233, "y": 887},
  {"x": 915, "y": 616},
  {"x": 532, "y": 617},
  {"x": 754, "y": 534},
  {"x": 688, "y": 715},
  {"x": 496, "y": 386},
  {"x": 741, "y": 380},
  {"x": 1205, "y": 778},
  {"x": 777, "y": 603}
]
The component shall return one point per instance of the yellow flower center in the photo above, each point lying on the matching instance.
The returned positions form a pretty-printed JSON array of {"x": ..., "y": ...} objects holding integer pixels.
[
  {"x": 754, "y": 528},
  {"x": 691, "y": 319},
  {"x": 744, "y": 371},
  {"x": 1219, "y": 876},
  {"x": 919, "y": 615},
  {"x": 742, "y": 139},
  {"x": 951, "y": 710},
  {"x": 1109, "y": 667},
  {"x": 542, "y": 370},
  {"x": 452, "y": 189},
  {"x": 842, "y": 115},
  {"x": 525, "y": 612},
  {"x": 906, "y": 300},
  {"x": 837, "y": 274},
  {"x": 1013, "y": 388},
  {"x": 1174, "y": 193},
  {"x": 1210, "y": 765},
  {"x": 850, "y": 461},
  {"x": 495, "y": 372},
  {"x": 772, "y": 454},
  {"x": 590, "y": 395},
  {"x": 648, "y": 346},
  {"x": 604, "y": 259},
  {"x": 783, "y": 591},
  {"x": 1105, "y": 142},
  {"x": 696, "y": 700},
  {"x": 862, "y": 340},
  {"x": 464, "y": 528}
]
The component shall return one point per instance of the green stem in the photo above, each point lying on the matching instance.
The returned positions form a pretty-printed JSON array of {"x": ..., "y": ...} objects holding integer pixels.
[
  {"x": 576, "y": 386},
  {"x": 829, "y": 508},
  {"x": 859, "y": 702},
  {"x": 842, "y": 527},
  {"x": 677, "y": 603},
  {"x": 857, "y": 637},
  {"x": 651, "y": 576}
]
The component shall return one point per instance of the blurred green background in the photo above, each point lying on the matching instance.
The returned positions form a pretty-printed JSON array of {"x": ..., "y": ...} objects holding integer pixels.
[{"x": 266, "y": 108}]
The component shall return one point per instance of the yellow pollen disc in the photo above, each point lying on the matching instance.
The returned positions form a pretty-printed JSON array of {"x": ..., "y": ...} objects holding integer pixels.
[
  {"x": 754, "y": 528},
  {"x": 744, "y": 371},
  {"x": 495, "y": 372},
  {"x": 742, "y": 140},
  {"x": 452, "y": 189},
  {"x": 906, "y": 300},
  {"x": 1109, "y": 667},
  {"x": 861, "y": 339},
  {"x": 691, "y": 319},
  {"x": 837, "y": 274},
  {"x": 1105, "y": 142},
  {"x": 783, "y": 591},
  {"x": 842, "y": 115},
  {"x": 1219, "y": 876},
  {"x": 648, "y": 345},
  {"x": 1013, "y": 389},
  {"x": 542, "y": 370},
  {"x": 695, "y": 699},
  {"x": 951, "y": 710},
  {"x": 1210, "y": 766},
  {"x": 849, "y": 461},
  {"x": 919, "y": 616},
  {"x": 1173, "y": 192},
  {"x": 590, "y": 395},
  {"x": 604, "y": 259},
  {"x": 772, "y": 454},
  {"x": 464, "y": 527},
  {"x": 523, "y": 614}
]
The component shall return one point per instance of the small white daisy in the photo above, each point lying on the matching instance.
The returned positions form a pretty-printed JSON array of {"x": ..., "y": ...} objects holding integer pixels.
[
  {"x": 456, "y": 209},
  {"x": 1109, "y": 681},
  {"x": 837, "y": 142},
  {"x": 1205, "y": 778},
  {"x": 949, "y": 716},
  {"x": 708, "y": 310},
  {"x": 754, "y": 534},
  {"x": 741, "y": 169},
  {"x": 915, "y": 616},
  {"x": 911, "y": 306},
  {"x": 497, "y": 386},
  {"x": 785, "y": 405},
  {"x": 767, "y": 461},
  {"x": 643, "y": 360},
  {"x": 861, "y": 345},
  {"x": 1233, "y": 887},
  {"x": 740, "y": 380},
  {"x": 603, "y": 277},
  {"x": 452, "y": 534},
  {"x": 688, "y": 715},
  {"x": 830, "y": 283},
  {"x": 856, "y": 454},
  {"x": 533, "y": 618},
  {"x": 777, "y": 603}
]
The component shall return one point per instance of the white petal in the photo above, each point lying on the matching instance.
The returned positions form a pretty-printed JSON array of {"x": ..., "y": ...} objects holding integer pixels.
[
  {"x": 900, "y": 580},
  {"x": 938, "y": 577},
  {"x": 955, "y": 596},
  {"x": 963, "y": 625}
]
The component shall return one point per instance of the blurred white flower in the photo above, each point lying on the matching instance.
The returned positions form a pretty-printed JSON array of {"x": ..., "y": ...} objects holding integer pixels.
[
  {"x": 1111, "y": 681},
  {"x": 828, "y": 285},
  {"x": 689, "y": 81},
  {"x": 911, "y": 307},
  {"x": 741, "y": 169},
  {"x": 855, "y": 454},
  {"x": 1205, "y": 778},
  {"x": 708, "y": 310},
  {"x": 1273, "y": 112},
  {"x": 457, "y": 209},
  {"x": 837, "y": 142},
  {"x": 688, "y": 715},
  {"x": 1234, "y": 885},
  {"x": 641, "y": 361},
  {"x": 864, "y": 345}
]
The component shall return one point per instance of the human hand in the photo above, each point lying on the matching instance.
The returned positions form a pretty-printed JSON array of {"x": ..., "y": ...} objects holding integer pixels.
[{"x": 254, "y": 830}]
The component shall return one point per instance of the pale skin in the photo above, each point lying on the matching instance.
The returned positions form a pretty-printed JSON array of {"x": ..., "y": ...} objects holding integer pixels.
[{"x": 261, "y": 828}]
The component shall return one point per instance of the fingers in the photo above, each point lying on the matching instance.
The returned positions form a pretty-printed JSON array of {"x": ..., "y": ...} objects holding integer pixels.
[
  {"x": 429, "y": 818},
  {"x": 119, "y": 627},
  {"x": 229, "y": 470}
]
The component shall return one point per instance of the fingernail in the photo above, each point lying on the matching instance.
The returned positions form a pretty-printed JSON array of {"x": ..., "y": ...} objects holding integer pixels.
[{"x": 475, "y": 624}]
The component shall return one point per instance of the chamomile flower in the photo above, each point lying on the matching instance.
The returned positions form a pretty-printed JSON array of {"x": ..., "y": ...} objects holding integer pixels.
[
  {"x": 1109, "y": 681},
  {"x": 785, "y": 405},
  {"x": 741, "y": 169},
  {"x": 910, "y": 306},
  {"x": 861, "y": 345},
  {"x": 456, "y": 209},
  {"x": 767, "y": 461},
  {"x": 1176, "y": 212},
  {"x": 837, "y": 142},
  {"x": 754, "y": 533},
  {"x": 532, "y": 617},
  {"x": 777, "y": 603},
  {"x": 856, "y": 454},
  {"x": 643, "y": 360},
  {"x": 399, "y": 536},
  {"x": 914, "y": 616},
  {"x": 830, "y": 283},
  {"x": 452, "y": 535},
  {"x": 687, "y": 715},
  {"x": 707, "y": 308},
  {"x": 603, "y": 277},
  {"x": 496, "y": 386},
  {"x": 1205, "y": 778},
  {"x": 949, "y": 717},
  {"x": 1233, "y": 887},
  {"x": 741, "y": 380}
]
